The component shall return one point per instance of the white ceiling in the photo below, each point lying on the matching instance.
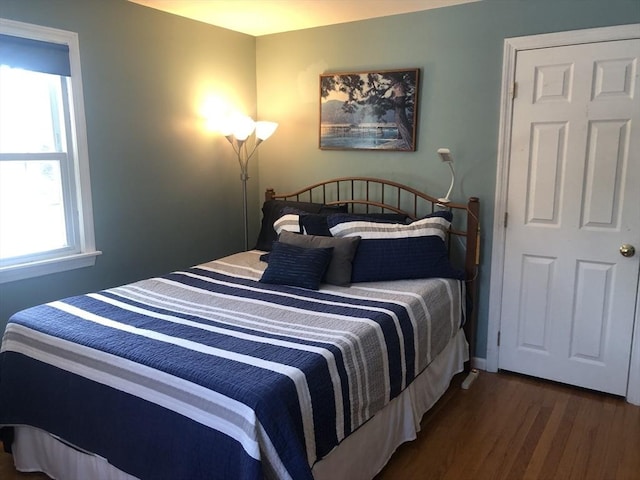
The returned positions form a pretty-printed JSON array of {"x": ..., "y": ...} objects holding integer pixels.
[{"x": 262, "y": 17}]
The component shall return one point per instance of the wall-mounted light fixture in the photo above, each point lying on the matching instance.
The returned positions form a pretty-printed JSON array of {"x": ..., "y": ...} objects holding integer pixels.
[
  {"x": 445, "y": 156},
  {"x": 245, "y": 136}
]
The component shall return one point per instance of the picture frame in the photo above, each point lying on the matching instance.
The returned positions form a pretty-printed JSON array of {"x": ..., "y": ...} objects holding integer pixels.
[{"x": 370, "y": 110}]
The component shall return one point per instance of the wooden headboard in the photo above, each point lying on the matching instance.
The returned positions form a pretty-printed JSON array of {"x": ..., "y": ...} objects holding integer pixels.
[{"x": 373, "y": 195}]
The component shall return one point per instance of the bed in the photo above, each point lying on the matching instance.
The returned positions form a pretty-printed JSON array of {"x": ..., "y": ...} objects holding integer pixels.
[{"x": 314, "y": 355}]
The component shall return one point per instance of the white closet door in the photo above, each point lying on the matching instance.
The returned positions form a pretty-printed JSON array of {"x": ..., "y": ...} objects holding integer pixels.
[{"x": 569, "y": 295}]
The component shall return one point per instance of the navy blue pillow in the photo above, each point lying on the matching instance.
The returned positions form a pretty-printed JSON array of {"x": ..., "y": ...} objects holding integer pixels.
[
  {"x": 383, "y": 217},
  {"x": 368, "y": 217},
  {"x": 311, "y": 223},
  {"x": 296, "y": 266},
  {"x": 315, "y": 224},
  {"x": 402, "y": 258},
  {"x": 344, "y": 249},
  {"x": 397, "y": 251},
  {"x": 446, "y": 214}
]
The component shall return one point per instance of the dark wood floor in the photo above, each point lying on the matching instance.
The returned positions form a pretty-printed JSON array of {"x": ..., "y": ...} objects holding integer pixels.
[
  {"x": 513, "y": 427},
  {"x": 510, "y": 427}
]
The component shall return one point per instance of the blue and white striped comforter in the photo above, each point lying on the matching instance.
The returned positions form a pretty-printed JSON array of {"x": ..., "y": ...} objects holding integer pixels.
[{"x": 206, "y": 373}]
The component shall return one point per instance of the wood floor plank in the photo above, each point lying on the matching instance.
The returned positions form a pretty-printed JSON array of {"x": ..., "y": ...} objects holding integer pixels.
[
  {"x": 587, "y": 441},
  {"x": 559, "y": 441},
  {"x": 595, "y": 464},
  {"x": 508, "y": 441},
  {"x": 543, "y": 445},
  {"x": 629, "y": 464},
  {"x": 481, "y": 437},
  {"x": 613, "y": 449},
  {"x": 529, "y": 446}
]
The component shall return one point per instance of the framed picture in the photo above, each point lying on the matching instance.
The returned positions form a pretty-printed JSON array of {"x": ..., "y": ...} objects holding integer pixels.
[{"x": 369, "y": 110}]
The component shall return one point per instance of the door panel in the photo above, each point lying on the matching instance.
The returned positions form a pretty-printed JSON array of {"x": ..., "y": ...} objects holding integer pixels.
[
  {"x": 606, "y": 160},
  {"x": 568, "y": 297},
  {"x": 537, "y": 275},
  {"x": 591, "y": 315},
  {"x": 548, "y": 146}
]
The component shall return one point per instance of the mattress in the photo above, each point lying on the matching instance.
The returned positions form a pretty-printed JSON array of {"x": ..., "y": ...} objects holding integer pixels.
[{"x": 151, "y": 376}]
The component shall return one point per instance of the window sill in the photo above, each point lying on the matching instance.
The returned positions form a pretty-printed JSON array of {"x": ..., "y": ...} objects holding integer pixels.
[{"x": 45, "y": 267}]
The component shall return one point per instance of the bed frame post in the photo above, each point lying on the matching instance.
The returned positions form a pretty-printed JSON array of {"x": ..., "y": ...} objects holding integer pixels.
[
  {"x": 269, "y": 194},
  {"x": 472, "y": 261}
]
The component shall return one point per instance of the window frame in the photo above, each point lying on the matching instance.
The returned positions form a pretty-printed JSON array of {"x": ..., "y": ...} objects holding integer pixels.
[{"x": 83, "y": 253}]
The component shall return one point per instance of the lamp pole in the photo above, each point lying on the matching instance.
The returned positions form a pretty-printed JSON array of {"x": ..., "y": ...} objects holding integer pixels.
[{"x": 244, "y": 176}]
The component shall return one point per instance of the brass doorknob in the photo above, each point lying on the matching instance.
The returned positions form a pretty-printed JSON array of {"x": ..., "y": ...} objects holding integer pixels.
[{"x": 627, "y": 250}]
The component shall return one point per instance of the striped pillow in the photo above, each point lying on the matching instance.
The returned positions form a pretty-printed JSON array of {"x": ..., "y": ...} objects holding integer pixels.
[
  {"x": 288, "y": 222},
  {"x": 392, "y": 251},
  {"x": 347, "y": 226}
]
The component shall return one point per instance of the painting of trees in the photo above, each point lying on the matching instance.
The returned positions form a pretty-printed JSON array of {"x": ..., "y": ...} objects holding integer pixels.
[{"x": 369, "y": 110}]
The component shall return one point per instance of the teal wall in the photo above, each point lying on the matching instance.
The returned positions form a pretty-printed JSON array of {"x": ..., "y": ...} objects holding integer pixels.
[
  {"x": 459, "y": 51},
  {"x": 166, "y": 194}
]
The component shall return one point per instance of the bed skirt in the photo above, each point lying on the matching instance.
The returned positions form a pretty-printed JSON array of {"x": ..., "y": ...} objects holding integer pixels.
[{"x": 360, "y": 456}]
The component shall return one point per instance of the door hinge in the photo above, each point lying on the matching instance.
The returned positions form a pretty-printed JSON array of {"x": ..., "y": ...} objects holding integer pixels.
[
  {"x": 506, "y": 219},
  {"x": 498, "y": 338},
  {"x": 514, "y": 91}
]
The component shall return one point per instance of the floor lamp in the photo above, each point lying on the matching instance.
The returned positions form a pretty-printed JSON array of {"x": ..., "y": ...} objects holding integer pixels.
[{"x": 239, "y": 134}]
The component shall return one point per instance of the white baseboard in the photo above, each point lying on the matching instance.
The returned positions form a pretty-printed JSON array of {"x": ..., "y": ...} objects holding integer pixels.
[{"x": 479, "y": 363}]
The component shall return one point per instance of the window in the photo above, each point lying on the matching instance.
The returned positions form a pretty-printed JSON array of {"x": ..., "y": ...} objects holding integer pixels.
[{"x": 46, "y": 222}]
